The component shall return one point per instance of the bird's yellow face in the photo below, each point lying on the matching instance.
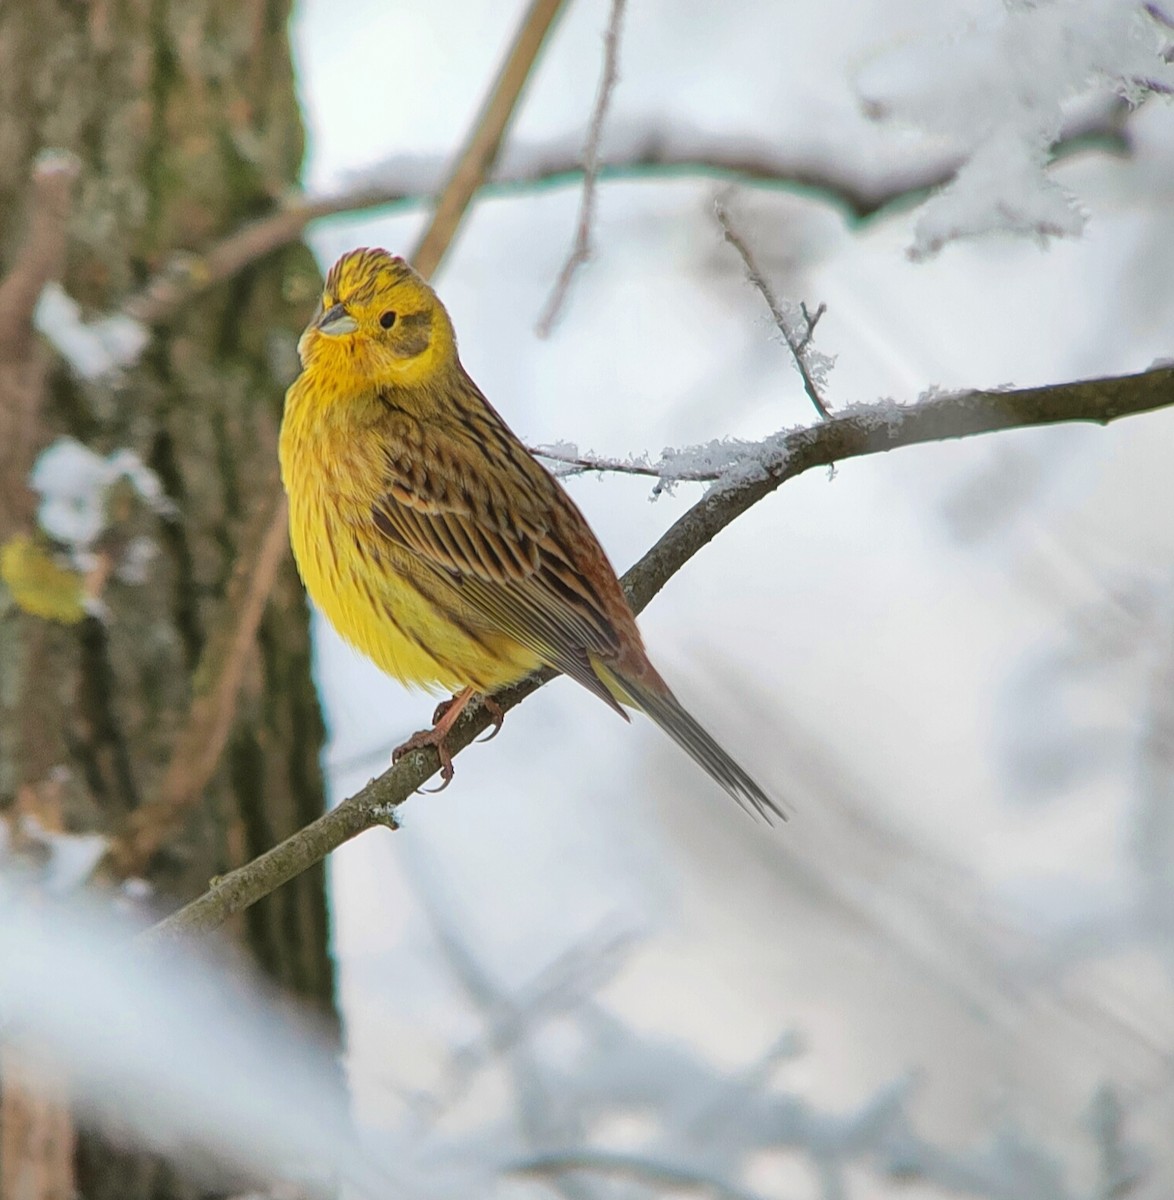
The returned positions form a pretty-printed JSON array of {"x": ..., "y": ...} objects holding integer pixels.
[{"x": 379, "y": 323}]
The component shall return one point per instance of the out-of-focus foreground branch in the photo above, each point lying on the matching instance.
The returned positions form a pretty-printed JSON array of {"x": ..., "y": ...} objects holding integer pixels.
[{"x": 855, "y": 432}]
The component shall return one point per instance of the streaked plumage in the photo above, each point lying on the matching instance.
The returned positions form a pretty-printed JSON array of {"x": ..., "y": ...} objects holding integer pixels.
[{"x": 427, "y": 533}]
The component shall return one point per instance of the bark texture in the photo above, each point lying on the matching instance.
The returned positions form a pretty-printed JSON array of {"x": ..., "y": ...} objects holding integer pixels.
[{"x": 185, "y": 121}]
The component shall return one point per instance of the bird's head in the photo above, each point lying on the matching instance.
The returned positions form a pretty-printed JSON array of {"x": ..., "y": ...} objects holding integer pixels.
[{"x": 379, "y": 322}]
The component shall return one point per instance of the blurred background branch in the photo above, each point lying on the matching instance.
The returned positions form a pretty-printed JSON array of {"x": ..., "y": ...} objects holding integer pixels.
[
  {"x": 640, "y": 154},
  {"x": 580, "y": 251}
]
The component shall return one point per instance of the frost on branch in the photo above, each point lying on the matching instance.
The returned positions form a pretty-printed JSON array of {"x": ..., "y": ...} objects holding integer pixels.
[
  {"x": 1000, "y": 91},
  {"x": 723, "y": 462}
]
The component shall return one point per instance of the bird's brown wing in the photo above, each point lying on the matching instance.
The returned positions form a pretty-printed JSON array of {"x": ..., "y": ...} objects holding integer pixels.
[{"x": 471, "y": 504}]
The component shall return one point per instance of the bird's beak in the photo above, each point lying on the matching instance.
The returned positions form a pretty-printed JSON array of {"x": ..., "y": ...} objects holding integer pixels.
[{"x": 336, "y": 321}]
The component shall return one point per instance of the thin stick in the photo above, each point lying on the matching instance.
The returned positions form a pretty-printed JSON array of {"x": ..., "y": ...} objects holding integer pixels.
[
  {"x": 799, "y": 345},
  {"x": 481, "y": 149},
  {"x": 581, "y": 248},
  {"x": 864, "y": 430}
]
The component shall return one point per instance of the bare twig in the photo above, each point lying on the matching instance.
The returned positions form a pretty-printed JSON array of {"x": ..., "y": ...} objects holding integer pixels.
[
  {"x": 22, "y": 366},
  {"x": 581, "y": 248},
  {"x": 811, "y": 319},
  {"x": 798, "y": 343},
  {"x": 524, "y": 169},
  {"x": 477, "y": 157},
  {"x": 187, "y": 275},
  {"x": 861, "y": 431}
]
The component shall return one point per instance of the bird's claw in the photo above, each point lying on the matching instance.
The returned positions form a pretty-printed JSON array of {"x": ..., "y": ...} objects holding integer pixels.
[
  {"x": 496, "y": 715},
  {"x": 442, "y": 721},
  {"x": 422, "y": 740}
]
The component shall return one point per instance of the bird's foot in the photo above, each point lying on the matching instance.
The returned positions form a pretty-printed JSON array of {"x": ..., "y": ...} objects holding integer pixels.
[
  {"x": 433, "y": 738},
  {"x": 491, "y": 706},
  {"x": 443, "y": 719}
]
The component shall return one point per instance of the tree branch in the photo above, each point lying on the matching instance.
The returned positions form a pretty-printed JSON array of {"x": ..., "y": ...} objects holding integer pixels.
[
  {"x": 523, "y": 169},
  {"x": 664, "y": 469},
  {"x": 798, "y": 340},
  {"x": 855, "y": 432}
]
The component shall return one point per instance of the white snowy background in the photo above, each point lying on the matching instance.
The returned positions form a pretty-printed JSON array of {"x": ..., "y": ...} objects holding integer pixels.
[
  {"x": 950, "y": 972},
  {"x": 952, "y": 662}
]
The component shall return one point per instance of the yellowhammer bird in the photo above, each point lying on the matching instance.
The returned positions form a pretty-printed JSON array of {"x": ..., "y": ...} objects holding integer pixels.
[{"x": 431, "y": 538}]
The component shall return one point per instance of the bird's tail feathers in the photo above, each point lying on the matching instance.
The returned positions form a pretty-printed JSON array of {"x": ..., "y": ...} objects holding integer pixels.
[{"x": 653, "y": 697}]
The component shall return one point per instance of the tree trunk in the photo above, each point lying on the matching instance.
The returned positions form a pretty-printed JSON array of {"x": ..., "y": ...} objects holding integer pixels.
[{"x": 184, "y": 118}]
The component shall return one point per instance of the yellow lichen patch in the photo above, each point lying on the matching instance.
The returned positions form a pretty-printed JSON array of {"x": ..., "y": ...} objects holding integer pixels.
[{"x": 38, "y": 585}]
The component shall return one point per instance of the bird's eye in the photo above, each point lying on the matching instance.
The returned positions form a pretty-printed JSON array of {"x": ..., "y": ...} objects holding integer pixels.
[{"x": 387, "y": 320}]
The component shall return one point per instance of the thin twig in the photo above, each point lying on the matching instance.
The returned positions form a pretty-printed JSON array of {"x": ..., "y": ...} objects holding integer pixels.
[
  {"x": 652, "y": 155},
  {"x": 581, "y": 248},
  {"x": 798, "y": 344},
  {"x": 477, "y": 157},
  {"x": 811, "y": 319},
  {"x": 862, "y": 431}
]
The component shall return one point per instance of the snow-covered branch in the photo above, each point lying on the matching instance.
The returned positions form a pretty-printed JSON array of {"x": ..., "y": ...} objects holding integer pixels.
[
  {"x": 999, "y": 90},
  {"x": 861, "y": 190},
  {"x": 855, "y": 431},
  {"x": 796, "y": 325}
]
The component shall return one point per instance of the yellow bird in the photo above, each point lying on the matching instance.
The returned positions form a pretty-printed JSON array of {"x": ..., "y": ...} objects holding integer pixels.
[{"x": 431, "y": 538}]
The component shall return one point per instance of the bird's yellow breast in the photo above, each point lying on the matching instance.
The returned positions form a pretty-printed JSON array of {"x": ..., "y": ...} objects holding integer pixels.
[{"x": 375, "y": 594}]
